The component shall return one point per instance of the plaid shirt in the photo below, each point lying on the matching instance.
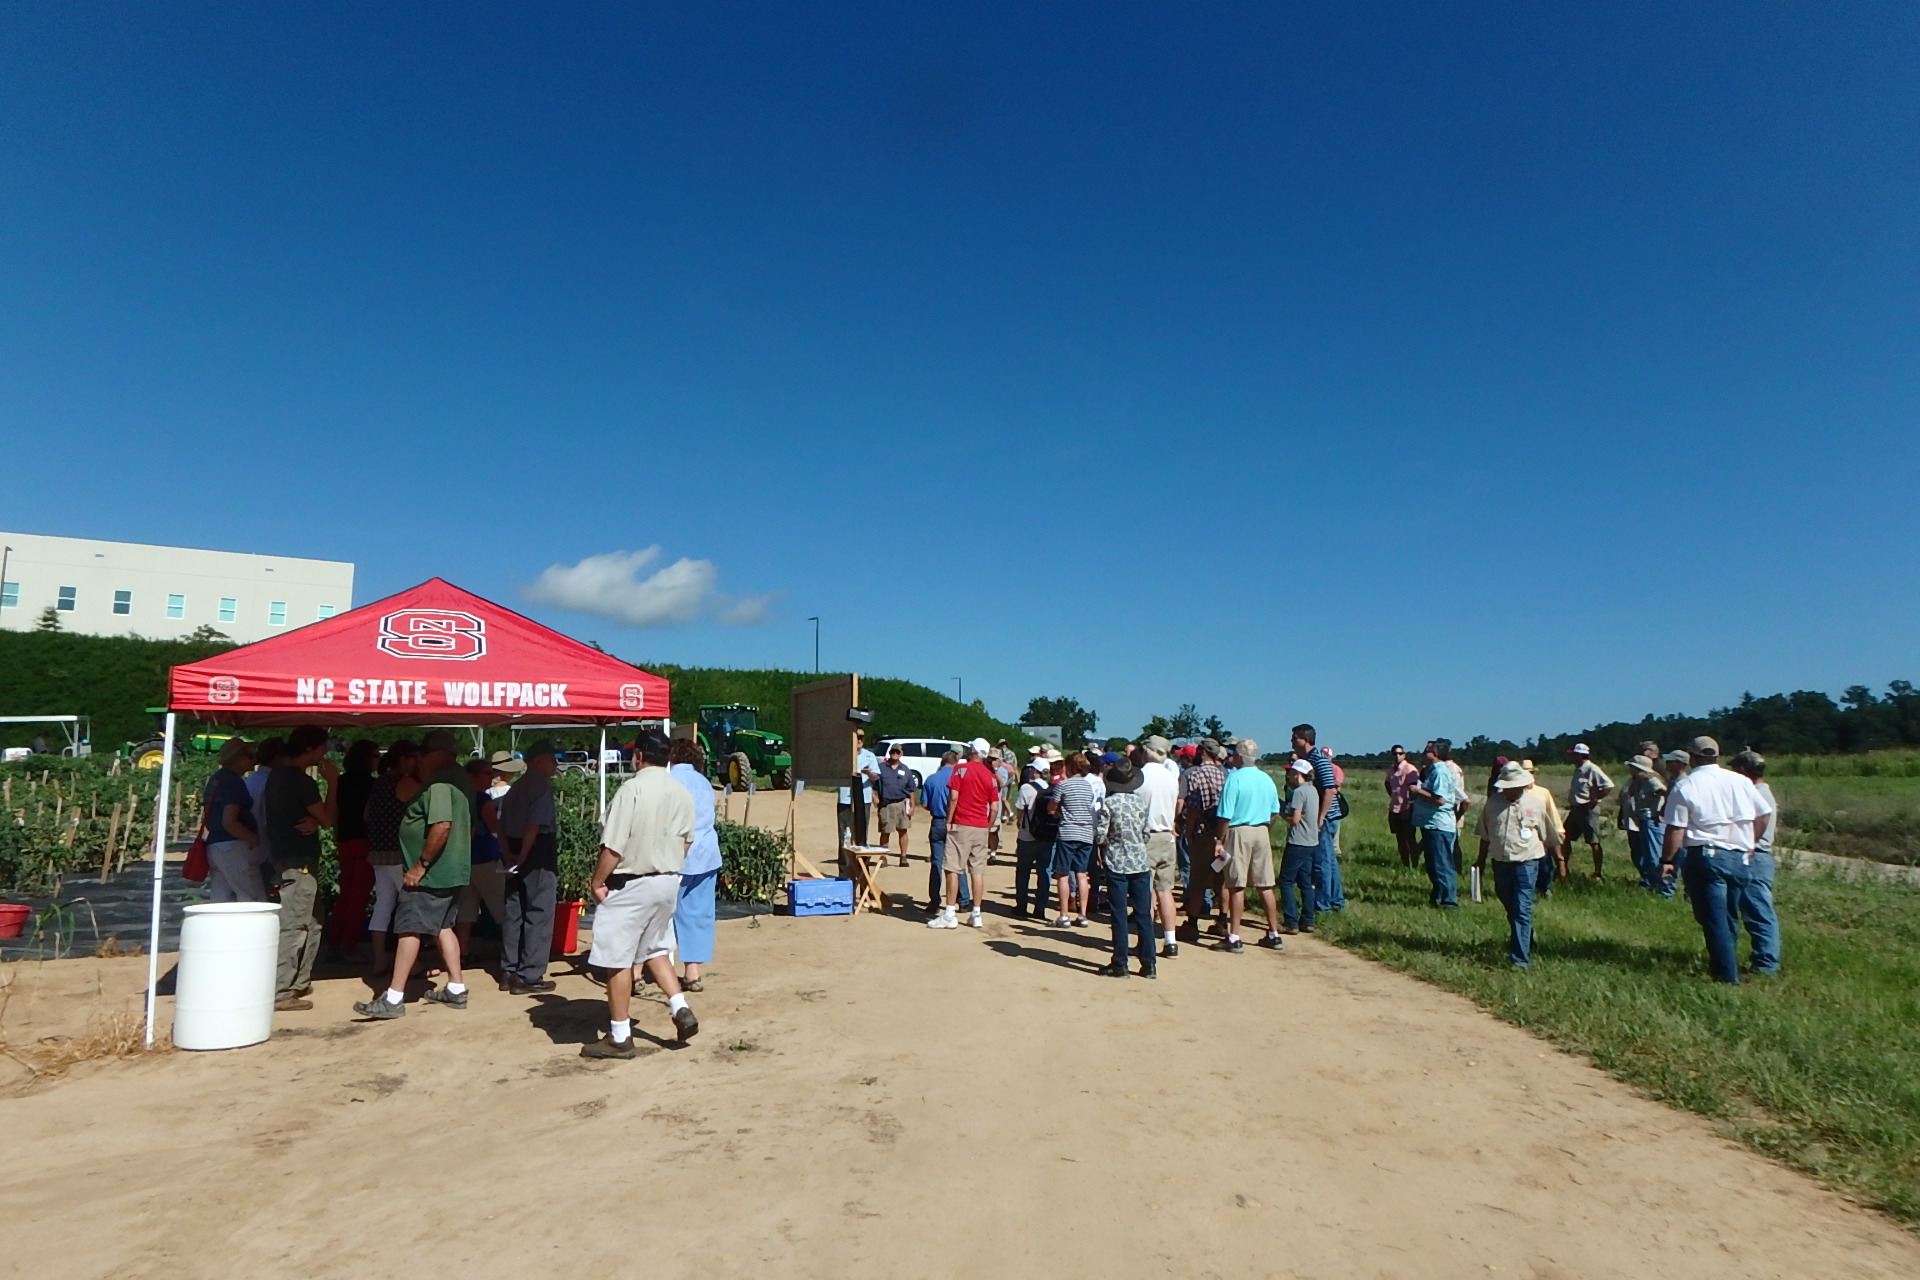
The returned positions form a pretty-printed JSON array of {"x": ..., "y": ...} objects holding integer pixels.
[{"x": 1204, "y": 782}]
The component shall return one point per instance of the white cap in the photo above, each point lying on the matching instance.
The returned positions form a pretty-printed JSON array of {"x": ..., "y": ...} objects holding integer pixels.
[
  {"x": 982, "y": 746},
  {"x": 1302, "y": 768},
  {"x": 1580, "y": 749}
]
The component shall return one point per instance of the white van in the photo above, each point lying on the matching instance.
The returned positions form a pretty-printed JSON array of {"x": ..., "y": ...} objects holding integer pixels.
[{"x": 922, "y": 755}]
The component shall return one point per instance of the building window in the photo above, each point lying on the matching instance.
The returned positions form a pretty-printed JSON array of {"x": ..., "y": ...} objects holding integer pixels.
[
  {"x": 325, "y": 611},
  {"x": 229, "y": 609},
  {"x": 123, "y": 602},
  {"x": 9, "y": 595},
  {"x": 176, "y": 606},
  {"x": 277, "y": 613},
  {"x": 69, "y": 597}
]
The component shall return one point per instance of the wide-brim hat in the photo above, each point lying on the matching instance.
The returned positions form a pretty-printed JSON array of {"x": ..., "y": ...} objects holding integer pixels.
[
  {"x": 1512, "y": 777},
  {"x": 1640, "y": 764},
  {"x": 506, "y": 762},
  {"x": 1122, "y": 777}
]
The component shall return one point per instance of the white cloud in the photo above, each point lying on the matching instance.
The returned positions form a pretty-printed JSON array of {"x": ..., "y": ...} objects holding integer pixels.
[{"x": 611, "y": 586}]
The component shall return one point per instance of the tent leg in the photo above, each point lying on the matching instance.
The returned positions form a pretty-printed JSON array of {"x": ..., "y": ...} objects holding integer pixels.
[
  {"x": 602, "y": 771},
  {"x": 159, "y": 872}
]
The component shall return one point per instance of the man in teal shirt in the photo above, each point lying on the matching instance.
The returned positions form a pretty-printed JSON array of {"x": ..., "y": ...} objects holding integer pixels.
[
  {"x": 1243, "y": 825},
  {"x": 1434, "y": 798},
  {"x": 435, "y": 841}
]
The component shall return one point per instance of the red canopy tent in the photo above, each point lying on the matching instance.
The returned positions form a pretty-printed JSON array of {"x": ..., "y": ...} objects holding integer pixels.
[{"x": 433, "y": 655}]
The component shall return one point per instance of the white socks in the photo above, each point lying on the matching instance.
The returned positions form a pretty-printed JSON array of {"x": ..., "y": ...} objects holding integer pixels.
[
  {"x": 395, "y": 997},
  {"x": 622, "y": 1030},
  {"x": 1169, "y": 935},
  {"x": 675, "y": 1003},
  {"x": 456, "y": 988}
]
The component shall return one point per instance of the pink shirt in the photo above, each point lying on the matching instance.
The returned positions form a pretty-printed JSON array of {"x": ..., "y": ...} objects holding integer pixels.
[{"x": 1400, "y": 780}]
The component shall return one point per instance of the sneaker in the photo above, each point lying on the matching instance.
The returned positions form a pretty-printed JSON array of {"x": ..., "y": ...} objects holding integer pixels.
[
  {"x": 1113, "y": 971},
  {"x": 1232, "y": 945},
  {"x": 977, "y": 921},
  {"x": 686, "y": 1024},
  {"x": 379, "y": 1008},
  {"x": 943, "y": 921},
  {"x": 1062, "y": 922},
  {"x": 291, "y": 1004},
  {"x": 1080, "y": 922},
  {"x": 1306, "y": 928},
  {"x": 604, "y": 1047},
  {"x": 1289, "y": 929},
  {"x": 440, "y": 995},
  {"x": 1168, "y": 950},
  {"x": 1271, "y": 942}
]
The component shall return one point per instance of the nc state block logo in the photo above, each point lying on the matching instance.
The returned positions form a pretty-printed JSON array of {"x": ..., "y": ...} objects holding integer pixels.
[
  {"x": 633, "y": 698},
  {"x": 446, "y": 634},
  {"x": 223, "y": 689}
]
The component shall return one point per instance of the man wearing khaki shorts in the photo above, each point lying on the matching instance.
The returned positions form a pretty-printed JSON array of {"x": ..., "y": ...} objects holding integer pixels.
[
  {"x": 973, "y": 803},
  {"x": 1243, "y": 831},
  {"x": 1160, "y": 784},
  {"x": 894, "y": 790}
]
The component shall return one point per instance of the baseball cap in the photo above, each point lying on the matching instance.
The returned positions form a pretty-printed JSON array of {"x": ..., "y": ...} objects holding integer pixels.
[
  {"x": 1109, "y": 757},
  {"x": 1678, "y": 757},
  {"x": 1704, "y": 747},
  {"x": 1579, "y": 749},
  {"x": 981, "y": 745},
  {"x": 440, "y": 740},
  {"x": 538, "y": 747},
  {"x": 1301, "y": 767},
  {"x": 1155, "y": 743}
]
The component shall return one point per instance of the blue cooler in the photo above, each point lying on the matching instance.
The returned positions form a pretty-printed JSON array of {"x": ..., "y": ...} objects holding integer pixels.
[{"x": 821, "y": 897}]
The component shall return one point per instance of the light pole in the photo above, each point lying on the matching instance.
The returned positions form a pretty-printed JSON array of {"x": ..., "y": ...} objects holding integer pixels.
[
  {"x": 816, "y": 644},
  {"x": 961, "y": 696}
]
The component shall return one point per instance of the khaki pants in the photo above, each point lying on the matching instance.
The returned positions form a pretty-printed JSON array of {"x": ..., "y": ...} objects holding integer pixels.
[
  {"x": 299, "y": 930},
  {"x": 488, "y": 885}
]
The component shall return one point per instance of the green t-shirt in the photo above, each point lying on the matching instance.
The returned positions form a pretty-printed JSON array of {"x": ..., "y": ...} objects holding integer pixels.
[{"x": 444, "y": 799}]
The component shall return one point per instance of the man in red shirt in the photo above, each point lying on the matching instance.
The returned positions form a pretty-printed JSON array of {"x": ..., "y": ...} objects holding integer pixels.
[{"x": 973, "y": 807}]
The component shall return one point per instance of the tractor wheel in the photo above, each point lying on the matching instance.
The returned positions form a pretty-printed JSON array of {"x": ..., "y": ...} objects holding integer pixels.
[
  {"x": 782, "y": 779},
  {"x": 150, "y": 754}
]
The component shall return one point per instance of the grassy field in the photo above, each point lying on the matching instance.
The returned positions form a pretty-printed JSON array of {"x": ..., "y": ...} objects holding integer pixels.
[{"x": 1819, "y": 1067}]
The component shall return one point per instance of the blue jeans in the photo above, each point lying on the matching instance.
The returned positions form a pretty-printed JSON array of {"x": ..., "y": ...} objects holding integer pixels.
[
  {"x": 1439, "y": 847},
  {"x": 1514, "y": 882},
  {"x": 1726, "y": 891},
  {"x": 1296, "y": 884},
  {"x": 1033, "y": 861},
  {"x": 1328, "y": 895},
  {"x": 1184, "y": 858},
  {"x": 1543, "y": 878},
  {"x": 1645, "y": 845},
  {"x": 1130, "y": 902},
  {"x": 937, "y": 858}
]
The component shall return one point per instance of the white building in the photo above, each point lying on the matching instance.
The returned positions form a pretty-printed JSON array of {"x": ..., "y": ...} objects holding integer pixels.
[{"x": 116, "y": 588}]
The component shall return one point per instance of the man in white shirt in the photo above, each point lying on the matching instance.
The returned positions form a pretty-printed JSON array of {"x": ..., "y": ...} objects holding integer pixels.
[
  {"x": 1160, "y": 784},
  {"x": 1715, "y": 818}
]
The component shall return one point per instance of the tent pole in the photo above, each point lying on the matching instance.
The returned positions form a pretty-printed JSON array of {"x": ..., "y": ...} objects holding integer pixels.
[
  {"x": 602, "y": 771},
  {"x": 159, "y": 872}
]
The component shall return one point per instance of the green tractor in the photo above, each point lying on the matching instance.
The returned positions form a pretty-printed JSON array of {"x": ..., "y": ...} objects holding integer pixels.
[
  {"x": 149, "y": 754},
  {"x": 733, "y": 739}
]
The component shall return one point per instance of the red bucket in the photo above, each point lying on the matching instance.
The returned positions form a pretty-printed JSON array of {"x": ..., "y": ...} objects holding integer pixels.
[
  {"x": 566, "y": 929},
  {"x": 13, "y": 918}
]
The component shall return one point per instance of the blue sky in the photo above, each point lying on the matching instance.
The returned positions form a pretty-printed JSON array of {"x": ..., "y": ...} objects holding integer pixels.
[{"x": 1411, "y": 369}]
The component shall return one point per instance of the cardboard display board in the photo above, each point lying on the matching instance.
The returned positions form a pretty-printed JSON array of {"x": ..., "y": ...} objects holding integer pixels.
[{"x": 822, "y": 738}]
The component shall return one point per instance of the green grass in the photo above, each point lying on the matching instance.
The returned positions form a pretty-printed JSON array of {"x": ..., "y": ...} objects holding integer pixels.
[{"x": 1819, "y": 1068}]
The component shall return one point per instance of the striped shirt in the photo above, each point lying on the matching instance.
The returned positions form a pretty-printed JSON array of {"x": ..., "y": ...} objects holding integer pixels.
[{"x": 1076, "y": 800}]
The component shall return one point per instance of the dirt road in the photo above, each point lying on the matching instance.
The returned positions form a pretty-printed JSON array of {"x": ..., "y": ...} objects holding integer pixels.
[{"x": 872, "y": 1098}]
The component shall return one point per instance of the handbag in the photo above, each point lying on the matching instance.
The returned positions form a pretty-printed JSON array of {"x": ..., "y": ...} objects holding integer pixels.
[{"x": 196, "y": 869}]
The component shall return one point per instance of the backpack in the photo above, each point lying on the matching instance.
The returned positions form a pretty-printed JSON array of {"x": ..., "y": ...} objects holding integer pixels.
[{"x": 1043, "y": 824}]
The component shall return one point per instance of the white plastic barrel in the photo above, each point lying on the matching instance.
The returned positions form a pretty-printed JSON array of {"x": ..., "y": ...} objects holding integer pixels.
[{"x": 224, "y": 988}]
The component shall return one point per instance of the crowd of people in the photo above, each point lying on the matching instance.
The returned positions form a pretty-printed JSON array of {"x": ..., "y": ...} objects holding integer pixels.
[
  {"x": 1171, "y": 840},
  {"x": 1168, "y": 840},
  {"x": 425, "y": 843}
]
